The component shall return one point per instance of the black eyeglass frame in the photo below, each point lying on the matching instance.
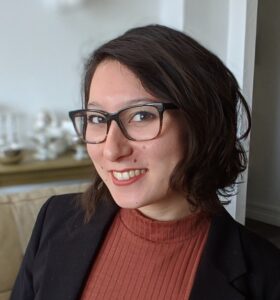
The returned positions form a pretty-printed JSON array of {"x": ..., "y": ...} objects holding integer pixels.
[{"x": 160, "y": 106}]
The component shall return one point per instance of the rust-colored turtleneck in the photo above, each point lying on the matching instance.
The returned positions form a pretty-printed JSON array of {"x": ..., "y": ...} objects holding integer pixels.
[{"x": 143, "y": 258}]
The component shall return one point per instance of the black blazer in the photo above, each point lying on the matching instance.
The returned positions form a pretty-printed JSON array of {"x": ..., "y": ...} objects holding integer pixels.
[{"x": 235, "y": 264}]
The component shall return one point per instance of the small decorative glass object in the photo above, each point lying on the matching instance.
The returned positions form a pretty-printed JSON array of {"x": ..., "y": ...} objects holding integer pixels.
[{"x": 11, "y": 150}]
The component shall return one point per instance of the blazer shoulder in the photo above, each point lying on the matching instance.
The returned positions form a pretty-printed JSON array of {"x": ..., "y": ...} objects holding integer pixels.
[
  {"x": 262, "y": 250},
  {"x": 59, "y": 211},
  {"x": 256, "y": 249},
  {"x": 263, "y": 263},
  {"x": 251, "y": 263},
  {"x": 62, "y": 205},
  {"x": 252, "y": 244}
]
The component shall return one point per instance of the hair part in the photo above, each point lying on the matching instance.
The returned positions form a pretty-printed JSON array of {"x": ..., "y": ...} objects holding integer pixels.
[{"x": 173, "y": 66}]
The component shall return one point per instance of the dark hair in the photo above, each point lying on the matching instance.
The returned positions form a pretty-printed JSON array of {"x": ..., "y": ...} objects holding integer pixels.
[{"x": 173, "y": 66}]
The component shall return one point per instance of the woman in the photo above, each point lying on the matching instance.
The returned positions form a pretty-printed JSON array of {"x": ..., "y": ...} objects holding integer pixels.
[{"x": 160, "y": 124}]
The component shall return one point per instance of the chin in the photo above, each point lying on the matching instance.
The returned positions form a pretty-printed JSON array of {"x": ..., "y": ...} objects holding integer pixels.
[{"x": 128, "y": 202}]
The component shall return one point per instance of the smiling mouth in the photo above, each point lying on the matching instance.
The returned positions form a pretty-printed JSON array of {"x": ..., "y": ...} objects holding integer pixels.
[{"x": 127, "y": 175}]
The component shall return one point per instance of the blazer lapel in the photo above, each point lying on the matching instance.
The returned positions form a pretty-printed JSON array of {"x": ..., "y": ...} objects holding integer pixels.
[
  {"x": 222, "y": 269},
  {"x": 70, "y": 257}
]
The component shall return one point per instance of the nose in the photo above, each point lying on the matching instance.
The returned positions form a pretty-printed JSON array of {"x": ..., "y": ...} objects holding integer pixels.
[{"x": 116, "y": 145}]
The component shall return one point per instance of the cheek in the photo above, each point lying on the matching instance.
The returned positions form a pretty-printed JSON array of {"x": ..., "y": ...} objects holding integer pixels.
[
  {"x": 168, "y": 149},
  {"x": 94, "y": 153}
]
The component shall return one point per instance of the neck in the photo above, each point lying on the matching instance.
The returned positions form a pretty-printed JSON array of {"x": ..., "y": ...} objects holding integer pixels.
[{"x": 173, "y": 210}]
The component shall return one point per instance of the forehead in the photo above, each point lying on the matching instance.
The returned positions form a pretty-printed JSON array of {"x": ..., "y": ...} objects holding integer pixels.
[{"x": 114, "y": 86}]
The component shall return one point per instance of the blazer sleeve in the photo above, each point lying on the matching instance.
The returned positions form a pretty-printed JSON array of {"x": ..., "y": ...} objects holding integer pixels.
[{"x": 23, "y": 288}]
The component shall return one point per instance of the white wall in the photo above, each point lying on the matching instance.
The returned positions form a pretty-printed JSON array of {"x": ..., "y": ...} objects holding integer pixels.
[
  {"x": 264, "y": 171},
  {"x": 208, "y": 22}
]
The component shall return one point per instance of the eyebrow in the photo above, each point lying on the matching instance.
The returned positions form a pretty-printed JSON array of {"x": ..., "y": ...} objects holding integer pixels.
[{"x": 92, "y": 104}]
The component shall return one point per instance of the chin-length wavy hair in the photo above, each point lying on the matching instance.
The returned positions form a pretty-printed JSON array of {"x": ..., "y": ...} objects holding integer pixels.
[{"x": 173, "y": 66}]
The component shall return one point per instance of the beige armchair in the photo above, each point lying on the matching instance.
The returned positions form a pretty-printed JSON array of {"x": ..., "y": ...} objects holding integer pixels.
[{"x": 18, "y": 213}]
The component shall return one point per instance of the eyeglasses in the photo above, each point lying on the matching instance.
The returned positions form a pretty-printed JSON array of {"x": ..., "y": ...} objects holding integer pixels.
[{"x": 137, "y": 123}]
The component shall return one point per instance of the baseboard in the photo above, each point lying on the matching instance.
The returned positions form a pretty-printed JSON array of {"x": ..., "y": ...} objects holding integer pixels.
[{"x": 269, "y": 214}]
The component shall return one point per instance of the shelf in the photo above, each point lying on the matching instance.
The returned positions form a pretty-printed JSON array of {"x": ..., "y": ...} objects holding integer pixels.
[{"x": 31, "y": 171}]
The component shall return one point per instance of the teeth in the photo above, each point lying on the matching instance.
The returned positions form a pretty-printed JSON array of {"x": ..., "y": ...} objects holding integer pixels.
[
  {"x": 127, "y": 174},
  {"x": 132, "y": 173}
]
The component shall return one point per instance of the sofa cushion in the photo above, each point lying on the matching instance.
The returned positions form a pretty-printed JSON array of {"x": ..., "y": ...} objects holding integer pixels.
[{"x": 18, "y": 213}]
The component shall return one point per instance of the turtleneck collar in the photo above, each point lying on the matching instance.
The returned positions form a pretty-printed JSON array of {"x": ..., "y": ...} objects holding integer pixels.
[{"x": 163, "y": 231}]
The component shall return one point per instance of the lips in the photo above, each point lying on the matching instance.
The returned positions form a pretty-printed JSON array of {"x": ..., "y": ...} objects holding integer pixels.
[{"x": 127, "y": 176}]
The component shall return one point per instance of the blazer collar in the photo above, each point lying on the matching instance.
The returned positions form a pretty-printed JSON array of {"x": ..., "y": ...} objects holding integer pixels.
[
  {"x": 71, "y": 254},
  {"x": 222, "y": 269}
]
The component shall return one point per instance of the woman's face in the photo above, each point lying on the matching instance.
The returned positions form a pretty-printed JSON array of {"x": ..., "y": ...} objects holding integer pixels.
[{"x": 145, "y": 166}]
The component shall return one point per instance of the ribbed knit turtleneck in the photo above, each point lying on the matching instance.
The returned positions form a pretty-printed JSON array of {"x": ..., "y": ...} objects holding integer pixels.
[{"x": 143, "y": 258}]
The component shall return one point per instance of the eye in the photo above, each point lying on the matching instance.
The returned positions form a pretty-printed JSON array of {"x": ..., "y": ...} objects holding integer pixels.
[
  {"x": 142, "y": 116},
  {"x": 96, "y": 119}
]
